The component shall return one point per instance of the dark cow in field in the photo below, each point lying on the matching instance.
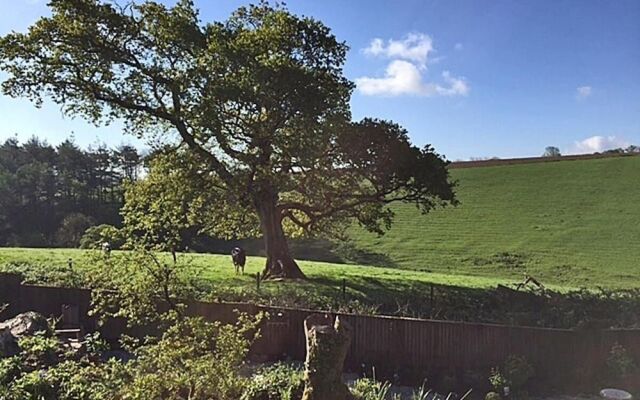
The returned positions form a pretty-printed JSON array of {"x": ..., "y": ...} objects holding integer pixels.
[{"x": 239, "y": 258}]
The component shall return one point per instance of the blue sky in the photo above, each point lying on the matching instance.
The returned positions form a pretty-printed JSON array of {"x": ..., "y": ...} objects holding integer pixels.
[{"x": 474, "y": 78}]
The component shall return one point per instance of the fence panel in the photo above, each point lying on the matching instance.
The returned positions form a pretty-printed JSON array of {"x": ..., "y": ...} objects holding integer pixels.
[{"x": 390, "y": 344}]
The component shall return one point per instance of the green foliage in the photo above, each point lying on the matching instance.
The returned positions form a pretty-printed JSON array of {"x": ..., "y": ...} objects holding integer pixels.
[
  {"x": 515, "y": 374},
  {"x": 421, "y": 394},
  {"x": 191, "y": 359},
  {"x": 497, "y": 380},
  {"x": 39, "y": 350},
  {"x": 10, "y": 369},
  {"x": 95, "y": 236},
  {"x": 369, "y": 389},
  {"x": 50, "y": 195},
  {"x": 72, "y": 229},
  {"x": 138, "y": 286},
  {"x": 161, "y": 212},
  {"x": 276, "y": 382},
  {"x": 620, "y": 363},
  {"x": 518, "y": 371},
  {"x": 33, "y": 385},
  {"x": 194, "y": 359}
]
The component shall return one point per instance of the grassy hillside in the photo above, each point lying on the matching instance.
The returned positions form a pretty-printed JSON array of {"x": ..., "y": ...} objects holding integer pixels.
[
  {"x": 569, "y": 223},
  {"x": 573, "y": 223}
]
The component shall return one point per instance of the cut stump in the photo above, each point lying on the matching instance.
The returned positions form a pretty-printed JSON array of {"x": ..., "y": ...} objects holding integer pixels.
[{"x": 327, "y": 345}]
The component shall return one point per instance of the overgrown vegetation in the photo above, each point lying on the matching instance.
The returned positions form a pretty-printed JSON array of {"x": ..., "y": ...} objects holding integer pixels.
[
  {"x": 512, "y": 377},
  {"x": 193, "y": 359},
  {"x": 280, "y": 381},
  {"x": 188, "y": 358}
]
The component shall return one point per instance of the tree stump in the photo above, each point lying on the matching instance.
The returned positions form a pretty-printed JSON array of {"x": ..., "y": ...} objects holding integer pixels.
[{"x": 327, "y": 346}]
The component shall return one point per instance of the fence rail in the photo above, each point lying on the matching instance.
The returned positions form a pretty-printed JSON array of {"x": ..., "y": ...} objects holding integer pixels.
[{"x": 392, "y": 345}]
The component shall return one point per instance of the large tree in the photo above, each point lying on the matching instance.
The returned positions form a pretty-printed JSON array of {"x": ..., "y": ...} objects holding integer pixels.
[{"x": 259, "y": 99}]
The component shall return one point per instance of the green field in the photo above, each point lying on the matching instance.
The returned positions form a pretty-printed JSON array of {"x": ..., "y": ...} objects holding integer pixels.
[
  {"x": 570, "y": 223},
  {"x": 367, "y": 289}
]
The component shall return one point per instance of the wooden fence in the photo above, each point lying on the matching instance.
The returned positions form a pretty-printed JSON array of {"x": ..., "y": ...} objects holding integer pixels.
[{"x": 404, "y": 346}]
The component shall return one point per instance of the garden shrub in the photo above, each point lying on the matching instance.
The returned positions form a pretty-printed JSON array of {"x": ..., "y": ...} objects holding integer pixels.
[
  {"x": 96, "y": 235},
  {"x": 514, "y": 374},
  {"x": 280, "y": 381},
  {"x": 39, "y": 350},
  {"x": 194, "y": 359},
  {"x": 498, "y": 380},
  {"x": 10, "y": 368},
  {"x": 517, "y": 371},
  {"x": 369, "y": 389}
]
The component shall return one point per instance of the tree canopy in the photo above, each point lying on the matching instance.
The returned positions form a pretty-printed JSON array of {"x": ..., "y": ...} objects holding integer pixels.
[
  {"x": 259, "y": 102},
  {"x": 50, "y": 195},
  {"x": 551, "y": 151}
]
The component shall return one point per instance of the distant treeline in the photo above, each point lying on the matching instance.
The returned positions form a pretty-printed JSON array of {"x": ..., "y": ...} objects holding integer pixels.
[{"x": 50, "y": 195}]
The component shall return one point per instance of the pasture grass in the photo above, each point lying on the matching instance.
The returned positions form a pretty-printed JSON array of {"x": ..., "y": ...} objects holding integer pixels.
[
  {"x": 367, "y": 290},
  {"x": 567, "y": 223}
]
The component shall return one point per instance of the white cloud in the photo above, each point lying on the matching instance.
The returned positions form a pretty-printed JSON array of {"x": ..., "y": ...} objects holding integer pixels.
[
  {"x": 404, "y": 74},
  {"x": 457, "y": 86},
  {"x": 402, "y": 77},
  {"x": 413, "y": 47},
  {"x": 583, "y": 92},
  {"x": 458, "y": 46},
  {"x": 599, "y": 144}
]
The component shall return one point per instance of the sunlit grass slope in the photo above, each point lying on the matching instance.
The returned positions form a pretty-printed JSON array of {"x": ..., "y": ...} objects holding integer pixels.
[{"x": 574, "y": 223}]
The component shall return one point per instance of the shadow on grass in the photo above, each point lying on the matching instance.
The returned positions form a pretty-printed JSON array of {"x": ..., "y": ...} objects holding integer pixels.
[{"x": 303, "y": 249}]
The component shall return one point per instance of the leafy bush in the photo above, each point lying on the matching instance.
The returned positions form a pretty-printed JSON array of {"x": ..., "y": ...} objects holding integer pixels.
[
  {"x": 96, "y": 235},
  {"x": 39, "y": 350},
  {"x": 10, "y": 368},
  {"x": 53, "y": 275},
  {"x": 138, "y": 286},
  {"x": 514, "y": 374},
  {"x": 194, "y": 359},
  {"x": 277, "y": 382},
  {"x": 518, "y": 371},
  {"x": 498, "y": 380},
  {"x": 369, "y": 389}
]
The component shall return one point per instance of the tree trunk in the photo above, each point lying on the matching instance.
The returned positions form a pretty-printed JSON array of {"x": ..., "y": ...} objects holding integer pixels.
[
  {"x": 327, "y": 346},
  {"x": 279, "y": 263}
]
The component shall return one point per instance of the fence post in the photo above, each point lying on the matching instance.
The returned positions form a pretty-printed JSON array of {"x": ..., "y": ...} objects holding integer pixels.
[
  {"x": 258, "y": 282},
  {"x": 344, "y": 290},
  {"x": 431, "y": 301},
  {"x": 10, "y": 294}
]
